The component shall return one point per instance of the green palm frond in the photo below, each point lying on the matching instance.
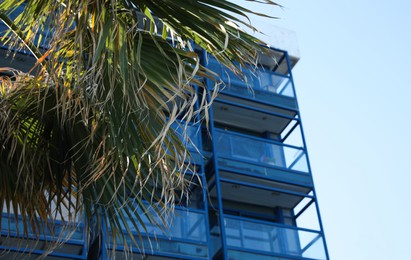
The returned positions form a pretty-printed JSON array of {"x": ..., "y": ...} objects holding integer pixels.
[{"x": 88, "y": 130}]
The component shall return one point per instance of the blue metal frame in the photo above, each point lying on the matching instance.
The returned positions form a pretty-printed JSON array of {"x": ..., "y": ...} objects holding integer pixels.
[
  {"x": 257, "y": 109},
  {"x": 262, "y": 187},
  {"x": 163, "y": 254},
  {"x": 260, "y": 139},
  {"x": 258, "y": 221},
  {"x": 41, "y": 252},
  {"x": 280, "y": 226},
  {"x": 273, "y": 72},
  {"x": 274, "y": 256},
  {"x": 219, "y": 197},
  {"x": 46, "y": 238},
  {"x": 217, "y": 180},
  {"x": 308, "y": 161}
]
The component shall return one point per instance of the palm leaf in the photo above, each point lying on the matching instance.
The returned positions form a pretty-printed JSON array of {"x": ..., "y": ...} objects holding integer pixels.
[{"x": 90, "y": 133}]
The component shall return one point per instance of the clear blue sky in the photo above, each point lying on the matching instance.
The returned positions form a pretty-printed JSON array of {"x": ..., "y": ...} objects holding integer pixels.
[{"x": 354, "y": 88}]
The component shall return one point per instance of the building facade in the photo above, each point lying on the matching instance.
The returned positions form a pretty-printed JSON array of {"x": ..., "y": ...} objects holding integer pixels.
[{"x": 256, "y": 199}]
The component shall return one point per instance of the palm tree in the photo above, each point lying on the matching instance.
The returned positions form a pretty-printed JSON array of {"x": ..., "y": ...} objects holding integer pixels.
[{"x": 88, "y": 130}]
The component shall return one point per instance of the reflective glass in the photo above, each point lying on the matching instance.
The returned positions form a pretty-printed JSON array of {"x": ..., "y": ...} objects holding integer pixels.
[
  {"x": 259, "y": 83},
  {"x": 271, "y": 238},
  {"x": 260, "y": 152},
  {"x": 184, "y": 224},
  {"x": 59, "y": 231}
]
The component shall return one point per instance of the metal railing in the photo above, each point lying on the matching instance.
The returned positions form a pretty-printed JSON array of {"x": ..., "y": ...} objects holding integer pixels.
[
  {"x": 260, "y": 152},
  {"x": 273, "y": 238}
]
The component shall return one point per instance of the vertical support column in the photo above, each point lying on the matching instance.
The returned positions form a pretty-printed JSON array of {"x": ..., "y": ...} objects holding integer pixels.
[
  {"x": 281, "y": 236},
  {"x": 203, "y": 181},
  {"x": 217, "y": 178},
  {"x": 98, "y": 234},
  {"x": 308, "y": 161},
  {"x": 104, "y": 239}
]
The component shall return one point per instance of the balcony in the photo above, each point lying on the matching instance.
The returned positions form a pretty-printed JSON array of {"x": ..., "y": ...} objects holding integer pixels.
[
  {"x": 262, "y": 158},
  {"x": 190, "y": 135},
  {"x": 261, "y": 84},
  {"x": 264, "y": 101},
  {"x": 185, "y": 235},
  {"x": 16, "y": 243},
  {"x": 255, "y": 239}
]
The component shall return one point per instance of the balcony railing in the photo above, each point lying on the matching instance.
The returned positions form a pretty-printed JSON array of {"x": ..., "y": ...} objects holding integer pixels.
[
  {"x": 260, "y": 238},
  {"x": 15, "y": 240},
  {"x": 262, "y": 157},
  {"x": 260, "y": 84},
  {"x": 190, "y": 135},
  {"x": 59, "y": 230},
  {"x": 185, "y": 233}
]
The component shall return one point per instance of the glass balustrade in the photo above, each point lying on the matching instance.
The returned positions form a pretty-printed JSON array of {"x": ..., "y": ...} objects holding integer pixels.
[
  {"x": 17, "y": 241},
  {"x": 265, "y": 238},
  {"x": 190, "y": 136},
  {"x": 261, "y": 84},
  {"x": 259, "y": 156},
  {"x": 57, "y": 231},
  {"x": 184, "y": 224},
  {"x": 185, "y": 232}
]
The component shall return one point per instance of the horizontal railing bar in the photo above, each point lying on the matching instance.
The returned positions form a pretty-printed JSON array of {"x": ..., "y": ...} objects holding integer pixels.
[
  {"x": 258, "y": 221},
  {"x": 259, "y": 139}
]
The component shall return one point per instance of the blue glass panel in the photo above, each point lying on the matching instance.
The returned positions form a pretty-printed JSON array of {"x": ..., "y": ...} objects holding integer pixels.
[
  {"x": 258, "y": 84},
  {"x": 184, "y": 228},
  {"x": 173, "y": 246},
  {"x": 18, "y": 244},
  {"x": 185, "y": 233},
  {"x": 190, "y": 136},
  {"x": 240, "y": 255},
  {"x": 259, "y": 152},
  {"x": 273, "y": 238},
  {"x": 58, "y": 232}
]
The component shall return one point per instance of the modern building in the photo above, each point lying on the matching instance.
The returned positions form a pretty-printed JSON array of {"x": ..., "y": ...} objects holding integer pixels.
[{"x": 257, "y": 199}]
